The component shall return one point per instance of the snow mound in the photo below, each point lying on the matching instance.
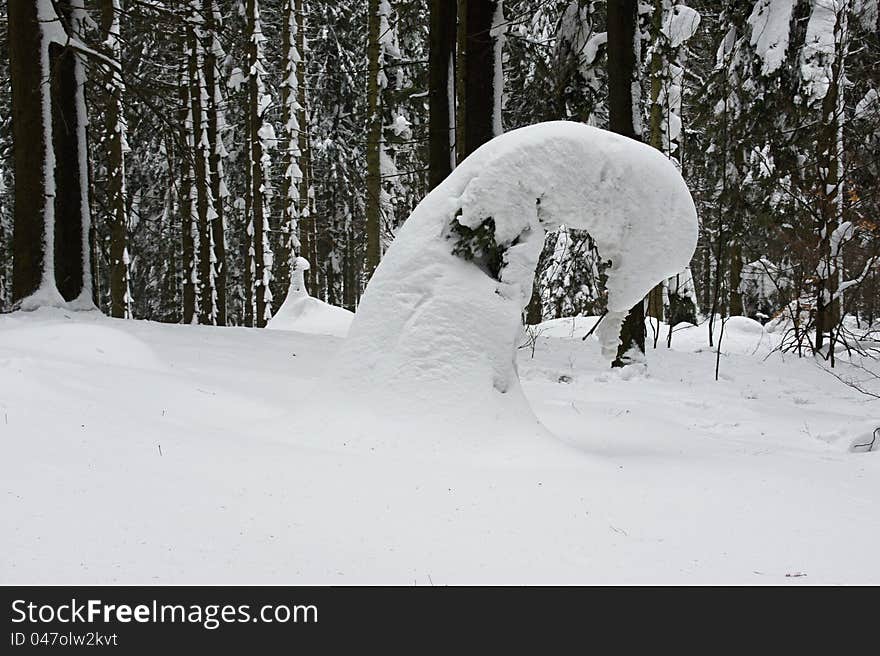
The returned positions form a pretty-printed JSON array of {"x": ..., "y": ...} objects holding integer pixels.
[
  {"x": 304, "y": 314},
  {"x": 740, "y": 336},
  {"x": 744, "y": 325},
  {"x": 97, "y": 342},
  {"x": 438, "y": 325}
]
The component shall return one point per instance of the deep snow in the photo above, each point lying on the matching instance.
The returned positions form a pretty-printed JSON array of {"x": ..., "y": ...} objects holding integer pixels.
[{"x": 664, "y": 476}]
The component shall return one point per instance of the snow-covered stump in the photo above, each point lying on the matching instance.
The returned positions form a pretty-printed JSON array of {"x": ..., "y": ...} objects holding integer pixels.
[
  {"x": 302, "y": 313},
  {"x": 436, "y": 332}
]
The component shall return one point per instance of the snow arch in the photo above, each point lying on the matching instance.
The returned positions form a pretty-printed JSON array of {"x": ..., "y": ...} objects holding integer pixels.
[{"x": 440, "y": 319}]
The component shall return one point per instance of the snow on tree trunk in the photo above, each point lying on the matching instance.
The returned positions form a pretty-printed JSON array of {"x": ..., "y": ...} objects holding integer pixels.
[
  {"x": 201, "y": 156},
  {"x": 116, "y": 147},
  {"x": 51, "y": 193},
  {"x": 82, "y": 252},
  {"x": 823, "y": 76},
  {"x": 438, "y": 325},
  {"x": 293, "y": 177},
  {"x": 216, "y": 117},
  {"x": 261, "y": 138},
  {"x": 307, "y": 220}
]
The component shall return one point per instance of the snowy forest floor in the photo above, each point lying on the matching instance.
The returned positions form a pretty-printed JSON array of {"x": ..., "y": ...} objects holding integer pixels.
[{"x": 134, "y": 452}]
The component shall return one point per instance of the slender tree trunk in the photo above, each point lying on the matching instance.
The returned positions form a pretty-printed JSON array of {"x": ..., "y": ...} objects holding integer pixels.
[
  {"x": 655, "y": 296},
  {"x": 735, "y": 308},
  {"x": 187, "y": 206},
  {"x": 198, "y": 97},
  {"x": 441, "y": 97},
  {"x": 290, "y": 183},
  {"x": 829, "y": 194},
  {"x": 350, "y": 269},
  {"x": 115, "y": 147},
  {"x": 624, "y": 118},
  {"x": 460, "y": 65},
  {"x": 258, "y": 165},
  {"x": 374, "y": 137},
  {"x": 308, "y": 226},
  {"x": 216, "y": 123}
]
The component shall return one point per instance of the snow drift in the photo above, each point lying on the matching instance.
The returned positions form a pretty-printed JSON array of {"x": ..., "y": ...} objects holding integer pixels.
[
  {"x": 437, "y": 328},
  {"x": 306, "y": 314}
]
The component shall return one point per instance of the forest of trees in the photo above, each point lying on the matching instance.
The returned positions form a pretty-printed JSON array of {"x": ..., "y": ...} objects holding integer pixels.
[{"x": 171, "y": 159}]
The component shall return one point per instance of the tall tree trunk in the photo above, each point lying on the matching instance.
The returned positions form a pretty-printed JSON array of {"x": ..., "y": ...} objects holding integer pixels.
[
  {"x": 308, "y": 227},
  {"x": 189, "y": 225},
  {"x": 261, "y": 262},
  {"x": 34, "y": 195},
  {"x": 198, "y": 97},
  {"x": 441, "y": 101},
  {"x": 290, "y": 184},
  {"x": 374, "y": 137},
  {"x": 69, "y": 120},
  {"x": 52, "y": 218},
  {"x": 68, "y": 212},
  {"x": 115, "y": 147},
  {"x": 624, "y": 118},
  {"x": 829, "y": 192},
  {"x": 479, "y": 68},
  {"x": 655, "y": 296},
  {"x": 216, "y": 122}
]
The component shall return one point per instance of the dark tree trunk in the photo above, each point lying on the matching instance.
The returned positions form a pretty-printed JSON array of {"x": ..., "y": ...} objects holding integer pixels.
[
  {"x": 187, "y": 232},
  {"x": 66, "y": 218},
  {"x": 350, "y": 277},
  {"x": 68, "y": 206},
  {"x": 70, "y": 180},
  {"x": 478, "y": 77},
  {"x": 374, "y": 137},
  {"x": 534, "y": 310},
  {"x": 441, "y": 100},
  {"x": 623, "y": 119},
  {"x": 28, "y": 149},
  {"x": 736, "y": 266}
]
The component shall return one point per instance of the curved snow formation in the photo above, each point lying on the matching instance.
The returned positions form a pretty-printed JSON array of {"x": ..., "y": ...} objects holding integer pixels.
[{"x": 440, "y": 320}]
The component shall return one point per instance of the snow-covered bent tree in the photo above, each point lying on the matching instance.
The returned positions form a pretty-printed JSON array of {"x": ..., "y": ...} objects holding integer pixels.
[{"x": 439, "y": 322}]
